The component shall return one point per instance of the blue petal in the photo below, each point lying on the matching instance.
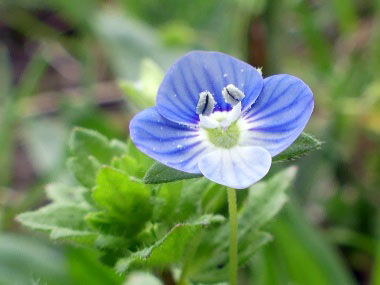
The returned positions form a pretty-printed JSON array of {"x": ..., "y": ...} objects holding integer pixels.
[
  {"x": 199, "y": 71},
  {"x": 280, "y": 113},
  {"x": 238, "y": 167},
  {"x": 174, "y": 145}
]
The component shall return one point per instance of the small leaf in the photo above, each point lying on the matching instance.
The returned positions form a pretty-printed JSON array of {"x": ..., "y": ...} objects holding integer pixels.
[
  {"x": 105, "y": 224},
  {"x": 166, "y": 201},
  {"x": 123, "y": 201},
  {"x": 64, "y": 194},
  {"x": 144, "y": 161},
  {"x": 189, "y": 204},
  {"x": 170, "y": 249},
  {"x": 304, "y": 144},
  {"x": 84, "y": 143},
  {"x": 61, "y": 221},
  {"x": 160, "y": 173},
  {"x": 89, "y": 150},
  {"x": 84, "y": 170}
]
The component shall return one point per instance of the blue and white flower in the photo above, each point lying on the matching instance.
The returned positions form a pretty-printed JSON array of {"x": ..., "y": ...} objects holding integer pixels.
[{"x": 217, "y": 116}]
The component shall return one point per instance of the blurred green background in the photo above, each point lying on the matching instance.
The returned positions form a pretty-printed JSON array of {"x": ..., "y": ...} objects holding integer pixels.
[{"x": 66, "y": 63}]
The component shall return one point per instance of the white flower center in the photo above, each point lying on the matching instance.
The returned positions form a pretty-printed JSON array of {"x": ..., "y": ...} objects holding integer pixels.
[{"x": 222, "y": 128}]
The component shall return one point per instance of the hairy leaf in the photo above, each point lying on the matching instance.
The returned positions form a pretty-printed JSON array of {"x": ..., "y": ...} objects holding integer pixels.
[
  {"x": 84, "y": 170},
  {"x": 160, "y": 173},
  {"x": 84, "y": 143},
  {"x": 168, "y": 250},
  {"x": 304, "y": 144},
  {"x": 64, "y": 194},
  {"x": 123, "y": 201},
  {"x": 89, "y": 150},
  {"x": 61, "y": 221}
]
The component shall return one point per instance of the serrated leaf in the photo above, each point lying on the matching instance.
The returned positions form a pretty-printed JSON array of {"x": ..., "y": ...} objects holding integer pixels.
[
  {"x": 144, "y": 161},
  {"x": 166, "y": 201},
  {"x": 61, "y": 221},
  {"x": 265, "y": 199},
  {"x": 64, "y": 194},
  {"x": 304, "y": 144},
  {"x": 84, "y": 143},
  {"x": 89, "y": 150},
  {"x": 84, "y": 170},
  {"x": 112, "y": 242},
  {"x": 168, "y": 250},
  {"x": 123, "y": 201},
  {"x": 160, "y": 173},
  {"x": 189, "y": 204},
  {"x": 130, "y": 165},
  {"x": 105, "y": 224}
]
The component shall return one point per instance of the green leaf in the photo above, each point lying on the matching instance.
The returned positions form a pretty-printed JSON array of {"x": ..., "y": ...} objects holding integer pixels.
[
  {"x": 84, "y": 143},
  {"x": 64, "y": 194},
  {"x": 160, "y": 173},
  {"x": 61, "y": 221},
  {"x": 168, "y": 250},
  {"x": 144, "y": 161},
  {"x": 265, "y": 199},
  {"x": 84, "y": 170},
  {"x": 166, "y": 201},
  {"x": 123, "y": 201},
  {"x": 189, "y": 204},
  {"x": 89, "y": 150},
  {"x": 304, "y": 144},
  {"x": 130, "y": 165}
]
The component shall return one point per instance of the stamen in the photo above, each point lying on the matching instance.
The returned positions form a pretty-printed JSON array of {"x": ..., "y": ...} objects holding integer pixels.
[
  {"x": 205, "y": 104},
  {"x": 232, "y": 94}
]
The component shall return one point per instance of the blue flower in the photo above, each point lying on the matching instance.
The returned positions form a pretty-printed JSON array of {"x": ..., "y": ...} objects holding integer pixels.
[{"x": 217, "y": 116}]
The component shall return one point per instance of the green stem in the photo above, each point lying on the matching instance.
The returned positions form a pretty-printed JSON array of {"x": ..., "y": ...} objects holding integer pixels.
[{"x": 233, "y": 250}]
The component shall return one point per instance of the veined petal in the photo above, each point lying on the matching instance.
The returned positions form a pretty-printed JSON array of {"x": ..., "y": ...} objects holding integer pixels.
[
  {"x": 238, "y": 167},
  {"x": 172, "y": 144},
  {"x": 279, "y": 114},
  {"x": 200, "y": 71}
]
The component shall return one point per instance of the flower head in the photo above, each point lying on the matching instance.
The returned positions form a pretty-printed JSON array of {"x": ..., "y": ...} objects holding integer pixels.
[{"x": 217, "y": 116}]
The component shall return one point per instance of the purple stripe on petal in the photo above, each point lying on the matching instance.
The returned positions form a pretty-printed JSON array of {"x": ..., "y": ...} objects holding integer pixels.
[
  {"x": 280, "y": 113},
  {"x": 203, "y": 71},
  {"x": 174, "y": 145}
]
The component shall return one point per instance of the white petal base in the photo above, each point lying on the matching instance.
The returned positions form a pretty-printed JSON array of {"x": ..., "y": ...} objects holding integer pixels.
[{"x": 238, "y": 167}]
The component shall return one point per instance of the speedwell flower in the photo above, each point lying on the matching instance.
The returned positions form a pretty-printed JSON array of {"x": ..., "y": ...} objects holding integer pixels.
[{"x": 217, "y": 116}]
